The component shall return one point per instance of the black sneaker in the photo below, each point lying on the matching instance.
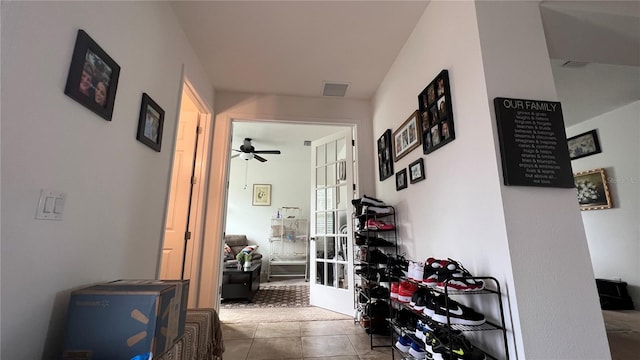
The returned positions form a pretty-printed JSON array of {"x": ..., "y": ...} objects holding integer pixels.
[
  {"x": 379, "y": 292},
  {"x": 458, "y": 314},
  {"x": 376, "y": 256},
  {"x": 368, "y": 200}
]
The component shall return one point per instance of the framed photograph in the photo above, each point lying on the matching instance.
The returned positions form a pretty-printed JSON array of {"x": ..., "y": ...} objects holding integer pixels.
[
  {"x": 385, "y": 160},
  {"x": 583, "y": 145},
  {"x": 593, "y": 190},
  {"x": 261, "y": 195},
  {"x": 416, "y": 171},
  {"x": 438, "y": 108},
  {"x": 150, "y": 123},
  {"x": 407, "y": 137},
  {"x": 93, "y": 77},
  {"x": 401, "y": 179}
]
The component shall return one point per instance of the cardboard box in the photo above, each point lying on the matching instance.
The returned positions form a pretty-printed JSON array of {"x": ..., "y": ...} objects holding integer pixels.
[
  {"x": 110, "y": 321},
  {"x": 179, "y": 304}
]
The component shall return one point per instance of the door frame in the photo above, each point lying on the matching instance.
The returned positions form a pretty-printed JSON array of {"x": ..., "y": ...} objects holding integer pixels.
[{"x": 218, "y": 192}]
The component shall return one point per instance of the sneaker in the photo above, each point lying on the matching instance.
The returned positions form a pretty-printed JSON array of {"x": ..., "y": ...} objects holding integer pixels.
[
  {"x": 394, "y": 290},
  {"x": 432, "y": 303},
  {"x": 422, "y": 299},
  {"x": 379, "y": 292},
  {"x": 455, "y": 276},
  {"x": 419, "y": 330},
  {"x": 406, "y": 290},
  {"x": 417, "y": 351},
  {"x": 458, "y": 314},
  {"x": 376, "y": 256},
  {"x": 368, "y": 200},
  {"x": 404, "y": 343},
  {"x": 430, "y": 272},
  {"x": 378, "y": 225},
  {"x": 416, "y": 270}
]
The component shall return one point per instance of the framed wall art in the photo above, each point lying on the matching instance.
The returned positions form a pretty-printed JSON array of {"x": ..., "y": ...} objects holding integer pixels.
[
  {"x": 401, "y": 180},
  {"x": 150, "y": 123},
  {"x": 93, "y": 77},
  {"x": 261, "y": 195},
  {"x": 434, "y": 106},
  {"x": 407, "y": 137},
  {"x": 416, "y": 171},
  {"x": 593, "y": 190},
  {"x": 385, "y": 159},
  {"x": 583, "y": 145}
]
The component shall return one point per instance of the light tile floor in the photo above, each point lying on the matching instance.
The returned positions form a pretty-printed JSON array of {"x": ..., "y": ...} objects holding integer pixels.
[{"x": 333, "y": 339}]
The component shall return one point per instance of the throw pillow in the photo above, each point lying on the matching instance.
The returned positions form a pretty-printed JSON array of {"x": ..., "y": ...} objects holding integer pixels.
[
  {"x": 228, "y": 253},
  {"x": 249, "y": 249}
]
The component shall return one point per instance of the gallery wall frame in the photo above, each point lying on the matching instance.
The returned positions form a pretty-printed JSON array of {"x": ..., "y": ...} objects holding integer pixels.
[
  {"x": 385, "y": 158},
  {"x": 401, "y": 179},
  {"x": 416, "y": 171},
  {"x": 407, "y": 137},
  {"x": 436, "y": 113},
  {"x": 593, "y": 190},
  {"x": 93, "y": 77},
  {"x": 261, "y": 195},
  {"x": 150, "y": 123},
  {"x": 584, "y": 144}
]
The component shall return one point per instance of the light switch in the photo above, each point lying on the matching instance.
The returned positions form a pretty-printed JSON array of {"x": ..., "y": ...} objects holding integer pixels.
[{"x": 50, "y": 205}]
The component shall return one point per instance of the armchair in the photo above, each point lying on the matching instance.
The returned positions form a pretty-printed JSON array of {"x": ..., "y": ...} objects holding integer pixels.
[{"x": 236, "y": 243}]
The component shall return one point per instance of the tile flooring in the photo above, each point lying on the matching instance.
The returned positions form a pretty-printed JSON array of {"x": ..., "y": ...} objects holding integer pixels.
[{"x": 333, "y": 339}]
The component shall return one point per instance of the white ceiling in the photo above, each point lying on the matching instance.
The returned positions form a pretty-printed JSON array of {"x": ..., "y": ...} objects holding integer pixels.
[{"x": 291, "y": 47}]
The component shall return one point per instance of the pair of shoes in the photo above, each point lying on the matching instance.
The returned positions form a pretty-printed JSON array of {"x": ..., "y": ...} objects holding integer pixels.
[
  {"x": 378, "y": 225},
  {"x": 457, "y": 313},
  {"x": 449, "y": 273},
  {"x": 444, "y": 345},
  {"x": 394, "y": 290},
  {"x": 376, "y": 256},
  {"x": 420, "y": 299},
  {"x": 416, "y": 270},
  {"x": 406, "y": 290}
]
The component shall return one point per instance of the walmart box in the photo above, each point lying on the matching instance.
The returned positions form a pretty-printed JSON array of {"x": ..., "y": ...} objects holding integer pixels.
[
  {"x": 179, "y": 304},
  {"x": 118, "y": 321}
]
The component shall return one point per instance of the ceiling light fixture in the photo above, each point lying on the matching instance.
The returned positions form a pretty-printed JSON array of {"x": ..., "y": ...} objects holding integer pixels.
[{"x": 246, "y": 156}]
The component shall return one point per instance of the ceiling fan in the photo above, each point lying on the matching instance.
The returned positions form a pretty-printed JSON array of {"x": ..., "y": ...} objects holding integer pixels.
[{"x": 248, "y": 152}]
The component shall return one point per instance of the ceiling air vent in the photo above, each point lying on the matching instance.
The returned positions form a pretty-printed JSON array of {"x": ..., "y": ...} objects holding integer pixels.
[{"x": 334, "y": 88}]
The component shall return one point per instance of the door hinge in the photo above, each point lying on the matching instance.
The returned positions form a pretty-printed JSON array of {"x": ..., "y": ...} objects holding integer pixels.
[
  {"x": 354, "y": 187},
  {"x": 353, "y": 142},
  {"x": 187, "y": 235},
  {"x": 194, "y": 180}
]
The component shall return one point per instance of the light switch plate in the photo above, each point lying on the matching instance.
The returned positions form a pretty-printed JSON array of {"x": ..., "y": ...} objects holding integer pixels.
[{"x": 50, "y": 205}]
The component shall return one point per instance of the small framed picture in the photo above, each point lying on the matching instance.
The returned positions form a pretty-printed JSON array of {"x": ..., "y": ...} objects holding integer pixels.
[
  {"x": 261, "y": 195},
  {"x": 585, "y": 144},
  {"x": 150, "y": 123},
  {"x": 593, "y": 190},
  {"x": 416, "y": 171},
  {"x": 401, "y": 180},
  {"x": 93, "y": 77},
  {"x": 385, "y": 160},
  {"x": 408, "y": 136},
  {"x": 440, "y": 113}
]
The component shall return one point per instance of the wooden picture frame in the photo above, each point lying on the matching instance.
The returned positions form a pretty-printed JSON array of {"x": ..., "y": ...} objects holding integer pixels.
[
  {"x": 261, "y": 195},
  {"x": 584, "y": 144},
  {"x": 150, "y": 123},
  {"x": 401, "y": 180},
  {"x": 385, "y": 159},
  {"x": 93, "y": 77},
  {"x": 407, "y": 137},
  {"x": 416, "y": 171},
  {"x": 436, "y": 111},
  {"x": 593, "y": 190}
]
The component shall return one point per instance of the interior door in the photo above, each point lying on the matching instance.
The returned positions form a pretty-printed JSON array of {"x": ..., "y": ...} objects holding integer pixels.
[
  {"x": 176, "y": 225},
  {"x": 331, "y": 281}
]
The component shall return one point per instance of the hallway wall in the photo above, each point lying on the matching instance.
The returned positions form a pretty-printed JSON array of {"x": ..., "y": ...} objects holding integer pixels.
[{"x": 116, "y": 187}]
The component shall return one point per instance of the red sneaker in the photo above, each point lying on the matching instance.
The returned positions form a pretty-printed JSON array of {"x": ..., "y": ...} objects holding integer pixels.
[
  {"x": 406, "y": 290},
  {"x": 395, "y": 286},
  {"x": 378, "y": 225}
]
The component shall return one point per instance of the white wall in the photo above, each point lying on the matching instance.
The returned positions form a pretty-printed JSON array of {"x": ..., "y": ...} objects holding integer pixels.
[
  {"x": 116, "y": 186},
  {"x": 614, "y": 234},
  {"x": 461, "y": 210}
]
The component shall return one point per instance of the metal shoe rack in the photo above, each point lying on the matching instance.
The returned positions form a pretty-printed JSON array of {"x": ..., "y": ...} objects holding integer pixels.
[
  {"x": 368, "y": 274},
  {"x": 499, "y": 325}
]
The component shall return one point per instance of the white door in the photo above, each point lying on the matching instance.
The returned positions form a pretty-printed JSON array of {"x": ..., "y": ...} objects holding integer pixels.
[
  {"x": 331, "y": 281},
  {"x": 179, "y": 198}
]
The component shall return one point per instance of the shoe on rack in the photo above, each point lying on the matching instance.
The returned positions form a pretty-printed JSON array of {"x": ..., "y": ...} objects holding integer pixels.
[
  {"x": 432, "y": 267},
  {"x": 379, "y": 242},
  {"x": 394, "y": 289},
  {"x": 369, "y": 200},
  {"x": 453, "y": 275},
  {"x": 379, "y": 292},
  {"x": 424, "y": 294},
  {"x": 406, "y": 290},
  {"x": 417, "y": 351},
  {"x": 404, "y": 343},
  {"x": 376, "y": 256},
  {"x": 378, "y": 225},
  {"x": 458, "y": 313},
  {"x": 376, "y": 210}
]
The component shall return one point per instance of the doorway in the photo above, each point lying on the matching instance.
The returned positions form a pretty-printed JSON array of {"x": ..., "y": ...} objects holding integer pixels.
[{"x": 184, "y": 219}]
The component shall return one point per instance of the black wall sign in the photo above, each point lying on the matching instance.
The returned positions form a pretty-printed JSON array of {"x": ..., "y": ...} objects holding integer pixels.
[{"x": 533, "y": 143}]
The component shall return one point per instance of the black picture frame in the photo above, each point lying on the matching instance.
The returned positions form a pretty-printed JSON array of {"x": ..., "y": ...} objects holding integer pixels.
[
  {"x": 385, "y": 158},
  {"x": 93, "y": 77},
  {"x": 434, "y": 105},
  {"x": 401, "y": 179},
  {"x": 416, "y": 171},
  {"x": 150, "y": 123},
  {"x": 585, "y": 144}
]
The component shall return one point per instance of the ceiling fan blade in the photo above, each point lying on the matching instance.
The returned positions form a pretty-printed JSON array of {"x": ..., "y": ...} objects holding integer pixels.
[
  {"x": 235, "y": 156},
  {"x": 259, "y": 158},
  {"x": 236, "y": 150},
  {"x": 266, "y": 152}
]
